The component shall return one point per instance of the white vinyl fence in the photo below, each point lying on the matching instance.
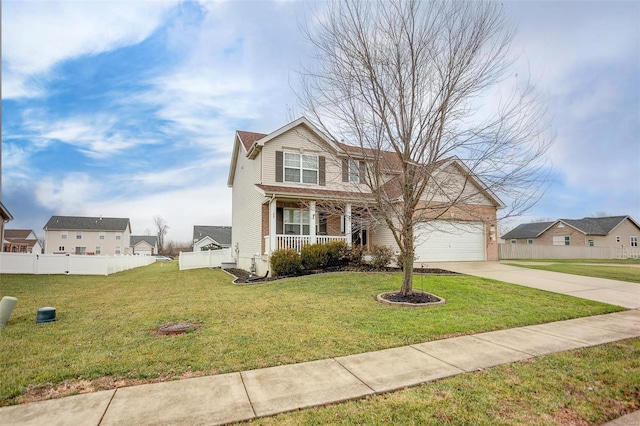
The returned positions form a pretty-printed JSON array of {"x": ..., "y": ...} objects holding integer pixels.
[
  {"x": 533, "y": 251},
  {"x": 70, "y": 264},
  {"x": 204, "y": 259}
]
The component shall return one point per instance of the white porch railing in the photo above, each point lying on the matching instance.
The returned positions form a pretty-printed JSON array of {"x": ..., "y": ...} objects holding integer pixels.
[{"x": 296, "y": 242}]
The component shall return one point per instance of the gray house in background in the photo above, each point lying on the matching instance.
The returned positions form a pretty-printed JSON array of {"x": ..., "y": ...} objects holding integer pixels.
[
  {"x": 211, "y": 237},
  {"x": 611, "y": 231},
  {"x": 144, "y": 245}
]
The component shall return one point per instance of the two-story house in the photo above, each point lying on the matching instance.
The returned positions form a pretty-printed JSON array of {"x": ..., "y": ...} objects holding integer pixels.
[
  {"x": 282, "y": 182},
  {"x": 87, "y": 235}
]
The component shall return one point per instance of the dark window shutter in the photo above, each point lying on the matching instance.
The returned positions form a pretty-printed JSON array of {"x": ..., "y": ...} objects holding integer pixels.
[
  {"x": 322, "y": 176},
  {"x": 361, "y": 171},
  {"x": 279, "y": 166},
  {"x": 345, "y": 170},
  {"x": 280, "y": 220}
]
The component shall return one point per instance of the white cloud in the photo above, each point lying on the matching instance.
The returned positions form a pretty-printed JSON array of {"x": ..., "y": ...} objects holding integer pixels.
[
  {"x": 97, "y": 136},
  {"x": 67, "y": 196},
  {"x": 41, "y": 34}
]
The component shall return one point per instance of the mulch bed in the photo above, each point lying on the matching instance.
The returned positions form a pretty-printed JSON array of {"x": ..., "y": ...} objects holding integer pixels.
[
  {"x": 416, "y": 297},
  {"x": 245, "y": 277}
]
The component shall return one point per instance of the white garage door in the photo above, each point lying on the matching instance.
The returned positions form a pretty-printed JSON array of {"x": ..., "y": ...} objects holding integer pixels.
[
  {"x": 143, "y": 252},
  {"x": 442, "y": 241}
]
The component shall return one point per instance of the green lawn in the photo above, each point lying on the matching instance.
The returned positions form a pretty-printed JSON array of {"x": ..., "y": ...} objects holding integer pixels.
[
  {"x": 105, "y": 324},
  {"x": 618, "y": 272},
  {"x": 583, "y": 387}
]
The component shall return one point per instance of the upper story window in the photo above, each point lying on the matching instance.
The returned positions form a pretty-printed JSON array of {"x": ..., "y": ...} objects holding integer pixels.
[
  {"x": 354, "y": 171},
  {"x": 118, "y": 235},
  {"x": 617, "y": 238},
  {"x": 529, "y": 241},
  {"x": 633, "y": 241},
  {"x": 101, "y": 235},
  {"x": 300, "y": 168},
  {"x": 514, "y": 241},
  {"x": 591, "y": 243},
  {"x": 78, "y": 235},
  {"x": 63, "y": 235}
]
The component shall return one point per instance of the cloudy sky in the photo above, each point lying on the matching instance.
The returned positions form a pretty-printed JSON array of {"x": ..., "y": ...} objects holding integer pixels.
[{"x": 129, "y": 108}]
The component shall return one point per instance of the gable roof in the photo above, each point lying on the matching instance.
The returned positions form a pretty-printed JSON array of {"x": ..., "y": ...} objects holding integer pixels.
[
  {"x": 80, "y": 223},
  {"x": 219, "y": 234},
  {"x": 596, "y": 225},
  {"x": 249, "y": 138},
  {"x": 586, "y": 225},
  {"x": 152, "y": 240},
  {"x": 527, "y": 230},
  {"x": 18, "y": 233}
]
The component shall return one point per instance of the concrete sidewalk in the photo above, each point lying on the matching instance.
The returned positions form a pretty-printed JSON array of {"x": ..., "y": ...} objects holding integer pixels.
[
  {"x": 614, "y": 292},
  {"x": 246, "y": 395}
]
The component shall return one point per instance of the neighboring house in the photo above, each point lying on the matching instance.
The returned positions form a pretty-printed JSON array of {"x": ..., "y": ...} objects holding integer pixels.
[
  {"x": 5, "y": 217},
  {"x": 613, "y": 231},
  {"x": 144, "y": 245},
  {"x": 21, "y": 241},
  {"x": 211, "y": 237},
  {"x": 87, "y": 235},
  {"x": 280, "y": 180}
]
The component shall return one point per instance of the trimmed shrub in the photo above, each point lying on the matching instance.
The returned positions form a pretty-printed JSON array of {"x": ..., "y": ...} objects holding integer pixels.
[
  {"x": 382, "y": 256},
  {"x": 314, "y": 256},
  {"x": 355, "y": 254},
  {"x": 285, "y": 262},
  {"x": 337, "y": 253}
]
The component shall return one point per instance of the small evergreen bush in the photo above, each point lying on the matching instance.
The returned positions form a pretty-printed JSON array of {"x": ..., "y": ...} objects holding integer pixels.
[
  {"x": 382, "y": 256},
  {"x": 285, "y": 262},
  {"x": 337, "y": 253},
  {"x": 314, "y": 256},
  {"x": 355, "y": 254}
]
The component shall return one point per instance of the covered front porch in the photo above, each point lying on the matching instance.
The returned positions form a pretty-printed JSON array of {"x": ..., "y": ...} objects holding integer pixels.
[{"x": 295, "y": 224}]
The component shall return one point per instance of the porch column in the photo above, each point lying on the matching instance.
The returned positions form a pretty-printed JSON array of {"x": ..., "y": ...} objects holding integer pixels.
[
  {"x": 272, "y": 225},
  {"x": 347, "y": 223},
  {"x": 312, "y": 222}
]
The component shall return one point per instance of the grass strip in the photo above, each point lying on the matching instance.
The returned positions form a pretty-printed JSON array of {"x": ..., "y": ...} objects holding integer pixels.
[
  {"x": 588, "y": 386},
  {"x": 105, "y": 325}
]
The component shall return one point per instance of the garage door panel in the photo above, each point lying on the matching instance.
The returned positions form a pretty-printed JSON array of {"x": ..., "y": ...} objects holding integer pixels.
[{"x": 442, "y": 241}]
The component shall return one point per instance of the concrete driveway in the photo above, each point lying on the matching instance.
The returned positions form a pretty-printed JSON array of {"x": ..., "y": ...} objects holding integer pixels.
[{"x": 614, "y": 292}]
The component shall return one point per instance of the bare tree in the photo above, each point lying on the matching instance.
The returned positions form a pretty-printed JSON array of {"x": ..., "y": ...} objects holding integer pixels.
[
  {"x": 161, "y": 231},
  {"x": 402, "y": 82}
]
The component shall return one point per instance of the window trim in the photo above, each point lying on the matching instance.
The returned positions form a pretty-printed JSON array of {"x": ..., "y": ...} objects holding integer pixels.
[
  {"x": 633, "y": 241},
  {"x": 353, "y": 167},
  {"x": 566, "y": 240},
  {"x": 64, "y": 235},
  {"x": 79, "y": 235},
  {"x": 301, "y": 167}
]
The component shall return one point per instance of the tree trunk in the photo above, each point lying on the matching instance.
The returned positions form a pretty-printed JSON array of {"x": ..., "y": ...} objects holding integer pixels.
[
  {"x": 407, "y": 274},
  {"x": 407, "y": 263}
]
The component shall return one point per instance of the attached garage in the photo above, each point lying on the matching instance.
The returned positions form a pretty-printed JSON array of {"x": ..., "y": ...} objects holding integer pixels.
[{"x": 444, "y": 241}]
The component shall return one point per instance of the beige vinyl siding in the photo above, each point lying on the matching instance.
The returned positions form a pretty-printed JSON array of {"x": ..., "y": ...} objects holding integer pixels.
[
  {"x": 301, "y": 140},
  {"x": 90, "y": 239},
  {"x": 452, "y": 184},
  {"x": 246, "y": 207}
]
